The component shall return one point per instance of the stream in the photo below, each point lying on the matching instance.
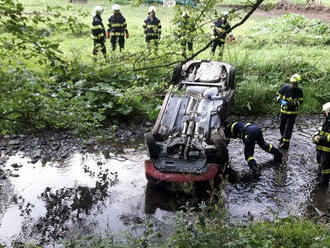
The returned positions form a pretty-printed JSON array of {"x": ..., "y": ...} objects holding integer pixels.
[{"x": 75, "y": 190}]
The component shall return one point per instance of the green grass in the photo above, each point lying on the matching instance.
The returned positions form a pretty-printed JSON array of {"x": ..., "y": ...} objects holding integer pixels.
[{"x": 266, "y": 53}]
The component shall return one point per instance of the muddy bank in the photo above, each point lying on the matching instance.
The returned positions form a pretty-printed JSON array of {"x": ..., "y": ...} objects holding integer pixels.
[
  {"x": 311, "y": 10},
  {"x": 46, "y": 146}
]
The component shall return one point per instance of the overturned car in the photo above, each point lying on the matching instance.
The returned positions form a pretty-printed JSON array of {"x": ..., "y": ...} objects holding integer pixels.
[{"x": 187, "y": 143}]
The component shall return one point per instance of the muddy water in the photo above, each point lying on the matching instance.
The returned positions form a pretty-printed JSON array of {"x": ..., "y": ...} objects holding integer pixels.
[
  {"x": 83, "y": 194},
  {"x": 97, "y": 192}
]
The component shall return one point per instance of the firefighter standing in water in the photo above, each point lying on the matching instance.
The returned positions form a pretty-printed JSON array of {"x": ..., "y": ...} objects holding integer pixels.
[
  {"x": 291, "y": 97},
  {"x": 250, "y": 134},
  {"x": 322, "y": 140},
  {"x": 117, "y": 28},
  {"x": 98, "y": 32}
]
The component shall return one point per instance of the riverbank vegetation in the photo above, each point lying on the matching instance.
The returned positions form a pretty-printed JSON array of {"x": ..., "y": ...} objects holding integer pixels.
[{"x": 49, "y": 79}]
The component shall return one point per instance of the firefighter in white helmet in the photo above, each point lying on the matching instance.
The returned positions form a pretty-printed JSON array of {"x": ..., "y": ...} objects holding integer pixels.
[
  {"x": 290, "y": 96},
  {"x": 98, "y": 32},
  {"x": 322, "y": 140},
  {"x": 152, "y": 26},
  {"x": 117, "y": 28}
]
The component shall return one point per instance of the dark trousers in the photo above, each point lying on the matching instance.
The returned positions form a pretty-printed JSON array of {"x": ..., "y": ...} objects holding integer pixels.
[
  {"x": 323, "y": 159},
  {"x": 99, "y": 45},
  {"x": 150, "y": 38},
  {"x": 121, "y": 42},
  {"x": 286, "y": 126},
  {"x": 219, "y": 43},
  {"x": 188, "y": 44},
  {"x": 254, "y": 135}
]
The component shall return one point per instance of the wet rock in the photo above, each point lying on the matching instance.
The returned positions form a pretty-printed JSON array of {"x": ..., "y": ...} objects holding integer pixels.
[
  {"x": 129, "y": 150},
  {"x": 15, "y": 165},
  {"x": 90, "y": 141},
  {"x": 129, "y": 133},
  {"x": 34, "y": 142},
  {"x": 148, "y": 124},
  {"x": 14, "y": 142},
  {"x": 36, "y": 153},
  {"x": 3, "y": 177}
]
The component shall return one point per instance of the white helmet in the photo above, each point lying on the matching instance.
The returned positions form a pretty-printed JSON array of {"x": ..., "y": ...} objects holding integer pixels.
[
  {"x": 116, "y": 7},
  {"x": 185, "y": 14},
  {"x": 326, "y": 107},
  {"x": 152, "y": 9},
  {"x": 98, "y": 10},
  {"x": 225, "y": 13},
  {"x": 295, "y": 78}
]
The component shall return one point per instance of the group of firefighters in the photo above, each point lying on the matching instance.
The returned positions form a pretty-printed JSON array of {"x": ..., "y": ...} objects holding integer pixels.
[
  {"x": 290, "y": 96},
  {"x": 117, "y": 30}
]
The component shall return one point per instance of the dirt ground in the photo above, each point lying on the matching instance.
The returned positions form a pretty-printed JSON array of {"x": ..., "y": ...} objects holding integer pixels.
[{"x": 312, "y": 10}]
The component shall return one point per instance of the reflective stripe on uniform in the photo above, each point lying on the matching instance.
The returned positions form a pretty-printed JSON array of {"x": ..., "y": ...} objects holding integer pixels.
[
  {"x": 270, "y": 147},
  {"x": 117, "y": 33},
  {"x": 97, "y": 27},
  {"x": 286, "y": 140},
  {"x": 324, "y": 133},
  {"x": 289, "y": 112},
  {"x": 323, "y": 148},
  {"x": 97, "y": 37},
  {"x": 232, "y": 128},
  {"x": 327, "y": 171},
  {"x": 116, "y": 25},
  {"x": 250, "y": 158},
  {"x": 216, "y": 37},
  {"x": 152, "y": 34}
]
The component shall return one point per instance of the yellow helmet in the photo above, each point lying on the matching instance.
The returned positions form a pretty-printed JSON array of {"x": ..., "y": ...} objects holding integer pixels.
[
  {"x": 326, "y": 107},
  {"x": 295, "y": 78}
]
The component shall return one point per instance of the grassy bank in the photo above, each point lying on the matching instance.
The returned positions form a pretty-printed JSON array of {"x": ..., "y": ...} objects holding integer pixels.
[{"x": 266, "y": 53}]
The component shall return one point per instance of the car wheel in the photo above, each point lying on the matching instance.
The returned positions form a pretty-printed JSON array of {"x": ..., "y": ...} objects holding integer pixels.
[
  {"x": 152, "y": 148},
  {"x": 221, "y": 150},
  {"x": 231, "y": 78}
]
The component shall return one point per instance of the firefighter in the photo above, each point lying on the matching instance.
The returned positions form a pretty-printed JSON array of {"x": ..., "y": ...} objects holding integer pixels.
[
  {"x": 250, "y": 134},
  {"x": 322, "y": 140},
  {"x": 152, "y": 27},
  {"x": 220, "y": 27},
  {"x": 291, "y": 97},
  {"x": 117, "y": 28},
  {"x": 184, "y": 33},
  {"x": 98, "y": 32}
]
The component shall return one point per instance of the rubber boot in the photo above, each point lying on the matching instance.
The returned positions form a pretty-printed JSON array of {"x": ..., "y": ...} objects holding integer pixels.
[
  {"x": 278, "y": 156},
  {"x": 324, "y": 181},
  {"x": 255, "y": 170},
  {"x": 284, "y": 146}
]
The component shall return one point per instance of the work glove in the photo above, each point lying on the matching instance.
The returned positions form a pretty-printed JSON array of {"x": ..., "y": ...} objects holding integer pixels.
[
  {"x": 127, "y": 35},
  {"x": 283, "y": 102},
  {"x": 108, "y": 35}
]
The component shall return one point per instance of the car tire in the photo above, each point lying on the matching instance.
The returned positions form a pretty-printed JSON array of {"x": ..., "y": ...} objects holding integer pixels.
[
  {"x": 221, "y": 150},
  {"x": 231, "y": 78},
  {"x": 152, "y": 148}
]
